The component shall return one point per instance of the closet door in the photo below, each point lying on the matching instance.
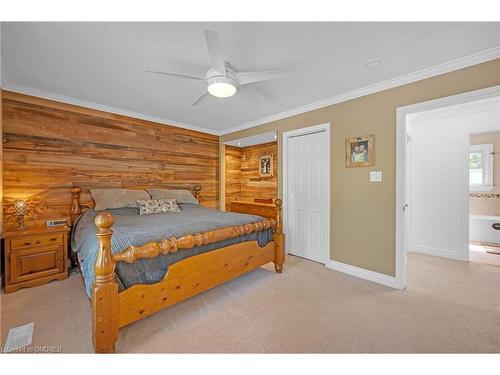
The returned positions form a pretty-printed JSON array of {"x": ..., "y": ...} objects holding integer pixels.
[{"x": 307, "y": 201}]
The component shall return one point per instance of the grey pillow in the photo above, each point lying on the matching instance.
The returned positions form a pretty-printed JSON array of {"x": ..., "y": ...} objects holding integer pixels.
[
  {"x": 157, "y": 206},
  {"x": 106, "y": 199},
  {"x": 180, "y": 195}
]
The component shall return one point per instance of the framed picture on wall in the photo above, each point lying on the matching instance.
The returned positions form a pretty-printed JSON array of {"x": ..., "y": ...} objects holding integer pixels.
[
  {"x": 266, "y": 166},
  {"x": 360, "y": 151}
]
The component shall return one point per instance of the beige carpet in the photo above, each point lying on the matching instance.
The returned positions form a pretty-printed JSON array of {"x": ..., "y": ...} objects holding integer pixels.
[{"x": 449, "y": 306}]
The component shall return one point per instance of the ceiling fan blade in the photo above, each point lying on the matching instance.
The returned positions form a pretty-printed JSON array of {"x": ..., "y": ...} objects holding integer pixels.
[
  {"x": 215, "y": 51},
  {"x": 244, "y": 78},
  {"x": 176, "y": 75},
  {"x": 200, "y": 98}
]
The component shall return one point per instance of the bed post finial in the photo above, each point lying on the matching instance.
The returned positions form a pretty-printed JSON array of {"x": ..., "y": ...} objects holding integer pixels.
[
  {"x": 104, "y": 264},
  {"x": 75, "y": 203},
  {"x": 105, "y": 289},
  {"x": 197, "y": 189},
  {"x": 279, "y": 238}
]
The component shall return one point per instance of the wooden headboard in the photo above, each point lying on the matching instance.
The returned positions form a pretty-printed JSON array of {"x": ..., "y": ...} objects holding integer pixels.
[{"x": 78, "y": 206}]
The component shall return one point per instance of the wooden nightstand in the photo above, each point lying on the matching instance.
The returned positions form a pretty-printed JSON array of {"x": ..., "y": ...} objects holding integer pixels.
[
  {"x": 35, "y": 256},
  {"x": 267, "y": 210}
]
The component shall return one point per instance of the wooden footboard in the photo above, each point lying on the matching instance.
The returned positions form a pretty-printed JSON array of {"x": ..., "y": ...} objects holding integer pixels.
[{"x": 191, "y": 276}]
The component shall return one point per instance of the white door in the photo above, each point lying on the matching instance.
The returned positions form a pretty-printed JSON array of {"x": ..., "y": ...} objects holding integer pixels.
[{"x": 306, "y": 196}]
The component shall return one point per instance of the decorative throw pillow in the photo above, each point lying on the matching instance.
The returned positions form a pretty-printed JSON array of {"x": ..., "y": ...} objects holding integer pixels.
[
  {"x": 157, "y": 206},
  {"x": 180, "y": 195},
  {"x": 117, "y": 198}
]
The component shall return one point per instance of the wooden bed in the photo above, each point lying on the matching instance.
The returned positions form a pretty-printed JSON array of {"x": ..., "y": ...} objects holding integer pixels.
[{"x": 112, "y": 309}]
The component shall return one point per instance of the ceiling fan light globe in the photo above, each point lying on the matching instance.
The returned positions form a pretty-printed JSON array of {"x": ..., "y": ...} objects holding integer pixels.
[{"x": 221, "y": 87}]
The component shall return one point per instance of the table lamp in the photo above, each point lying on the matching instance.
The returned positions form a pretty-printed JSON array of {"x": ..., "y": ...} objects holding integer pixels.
[{"x": 20, "y": 207}]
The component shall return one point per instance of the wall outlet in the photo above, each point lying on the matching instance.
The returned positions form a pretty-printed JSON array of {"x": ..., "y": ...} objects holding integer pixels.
[{"x": 375, "y": 176}]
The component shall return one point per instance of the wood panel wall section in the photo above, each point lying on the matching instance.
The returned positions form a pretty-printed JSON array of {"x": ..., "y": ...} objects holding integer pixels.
[
  {"x": 252, "y": 185},
  {"x": 233, "y": 174},
  {"x": 243, "y": 181},
  {"x": 1, "y": 174},
  {"x": 50, "y": 146}
]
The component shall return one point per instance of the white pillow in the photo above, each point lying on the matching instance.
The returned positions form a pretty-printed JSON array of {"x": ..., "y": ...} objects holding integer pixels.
[
  {"x": 180, "y": 195},
  {"x": 106, "y": 199}
]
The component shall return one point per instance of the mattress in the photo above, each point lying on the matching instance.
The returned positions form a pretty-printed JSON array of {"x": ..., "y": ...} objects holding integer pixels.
[{"x": 130, "y": 228}]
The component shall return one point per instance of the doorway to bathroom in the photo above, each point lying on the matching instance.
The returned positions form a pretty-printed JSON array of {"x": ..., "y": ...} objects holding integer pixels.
[
  {"x": 434, "y": 173},
  {"x": 484, "y": 197}
]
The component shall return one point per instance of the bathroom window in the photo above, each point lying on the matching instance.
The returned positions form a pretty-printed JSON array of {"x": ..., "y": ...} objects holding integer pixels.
[{"x": 481, "y": 167}]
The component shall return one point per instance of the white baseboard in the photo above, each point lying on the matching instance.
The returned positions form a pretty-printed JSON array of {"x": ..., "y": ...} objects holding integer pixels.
[
  {"x": 436, "y": 252},
  {"x": 362, "y": 273}
]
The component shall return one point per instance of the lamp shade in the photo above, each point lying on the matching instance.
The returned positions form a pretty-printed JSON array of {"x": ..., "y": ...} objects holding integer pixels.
[{"x": 20, "y": 206}]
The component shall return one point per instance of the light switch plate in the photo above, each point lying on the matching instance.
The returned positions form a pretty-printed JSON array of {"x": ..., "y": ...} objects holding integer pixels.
[{"x": 375, "y": 176}]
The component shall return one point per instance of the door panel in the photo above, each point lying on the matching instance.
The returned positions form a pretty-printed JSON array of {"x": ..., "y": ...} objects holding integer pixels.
[
  {"x": 298, "y": 239},
  {"x": 315, "y": 180},
  {"x": 37, "y": 262},
  {"x": 315, "y": 231},
  {"x": 307, "y": 210}
]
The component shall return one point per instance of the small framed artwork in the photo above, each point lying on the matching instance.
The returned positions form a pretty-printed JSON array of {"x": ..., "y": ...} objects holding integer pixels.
[
  {"x": 266, "y": 166},
  {"x": 360, "y": 151}
]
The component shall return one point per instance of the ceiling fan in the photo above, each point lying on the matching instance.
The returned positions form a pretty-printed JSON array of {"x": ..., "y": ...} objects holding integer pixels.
[{"x": 221, "y": 79}]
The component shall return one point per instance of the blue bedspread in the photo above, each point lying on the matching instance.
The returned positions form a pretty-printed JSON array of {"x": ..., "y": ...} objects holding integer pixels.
[{"x": 130, "y": 228}]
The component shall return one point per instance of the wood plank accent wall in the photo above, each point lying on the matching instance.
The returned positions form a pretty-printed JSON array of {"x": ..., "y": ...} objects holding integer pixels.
[
  {"x": 50, "y": 146},
  {"x": 252, "y": 185},
  {"x": 1, "y": 172},
  {"x": 243, "y": 181},
  {"x": 233, "y": 174}
]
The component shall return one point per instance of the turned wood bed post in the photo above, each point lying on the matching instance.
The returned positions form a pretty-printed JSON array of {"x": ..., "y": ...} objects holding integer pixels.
[
  {"x": 75, "y": 211},
  {"x": 279, "y": 238},
  {"x": 105, "y": 289},
  {"x": 75, "y": 203},
  {"x": 197, "y": 189}
]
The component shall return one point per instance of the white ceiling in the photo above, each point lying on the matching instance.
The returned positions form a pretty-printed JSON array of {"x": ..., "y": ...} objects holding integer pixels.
[
  {"x": 253, "y": 140},
  {"x": 103, "y": 64}
]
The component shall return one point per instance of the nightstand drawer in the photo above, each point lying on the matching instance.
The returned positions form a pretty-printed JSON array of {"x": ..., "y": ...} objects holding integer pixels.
[
  {"x": 37, "y": 262},
  {"x": 40, "y": 240}
]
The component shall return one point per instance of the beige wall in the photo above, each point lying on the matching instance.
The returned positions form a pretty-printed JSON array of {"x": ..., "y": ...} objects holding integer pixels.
[
  {"x": 488, "y": 206},
  {"x": 363, "y": 213}
]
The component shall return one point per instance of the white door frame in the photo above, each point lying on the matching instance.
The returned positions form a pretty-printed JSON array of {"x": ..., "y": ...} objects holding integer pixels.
[
  {"x": 401, "y": 198},
  {"x": 294, "y": 133}
]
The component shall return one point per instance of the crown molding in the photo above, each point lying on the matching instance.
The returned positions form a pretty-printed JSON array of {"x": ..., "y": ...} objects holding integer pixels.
[
  {"x": 105, "y": 108},
  {"x": 463, "y": 62}
]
